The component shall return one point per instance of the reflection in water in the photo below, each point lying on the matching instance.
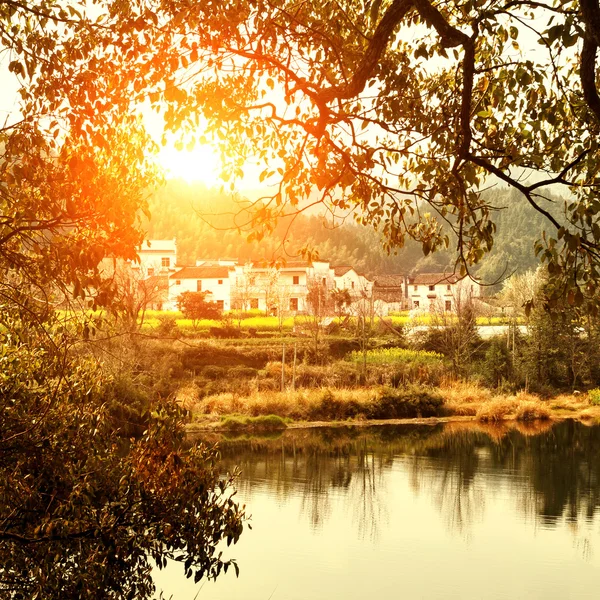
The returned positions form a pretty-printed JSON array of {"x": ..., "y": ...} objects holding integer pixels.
[
  {"x": 461, "y": 510},
  {"x": 552, "y": 472}
]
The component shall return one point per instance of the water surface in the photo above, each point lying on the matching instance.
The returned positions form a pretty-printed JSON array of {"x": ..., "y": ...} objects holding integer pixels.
[{"x": 454, "y": 511}]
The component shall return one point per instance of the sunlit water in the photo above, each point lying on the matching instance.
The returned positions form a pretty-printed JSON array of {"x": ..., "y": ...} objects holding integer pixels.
[{"x": 413, "y": 512}]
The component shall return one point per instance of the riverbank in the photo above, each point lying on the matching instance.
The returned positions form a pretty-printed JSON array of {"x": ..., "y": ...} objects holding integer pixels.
[{"x": 459, "y": 402}]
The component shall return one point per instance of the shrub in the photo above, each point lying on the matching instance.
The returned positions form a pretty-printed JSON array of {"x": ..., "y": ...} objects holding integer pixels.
[
  {"x": 330, "y": 407},
  {"x": 406, "y": 403},
  {"x": 594, "y": 396},
  {"x": 167, "y": 326}
]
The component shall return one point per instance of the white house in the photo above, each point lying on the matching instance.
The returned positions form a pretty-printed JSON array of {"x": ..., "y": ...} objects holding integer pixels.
[
  {"x": 157, "y": 257},
  {"x": 282, "y": 288},
  {"x": 439, "y": 291},
  {"x": 359, "y": 287},
  {"x": 212, "y": 279}
]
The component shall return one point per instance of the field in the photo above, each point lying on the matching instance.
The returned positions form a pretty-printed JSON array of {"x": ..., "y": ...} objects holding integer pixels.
[{"x": 258, "y": 322}]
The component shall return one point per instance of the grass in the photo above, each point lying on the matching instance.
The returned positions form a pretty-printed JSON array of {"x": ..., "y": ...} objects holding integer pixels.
[{"x": 327, "y": 404}]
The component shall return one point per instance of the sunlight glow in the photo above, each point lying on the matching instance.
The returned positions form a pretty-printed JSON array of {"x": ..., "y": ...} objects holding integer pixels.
[{"x": 200, "y": 164}]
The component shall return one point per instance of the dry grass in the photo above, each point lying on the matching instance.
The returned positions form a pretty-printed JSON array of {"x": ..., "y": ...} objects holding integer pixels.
[
  {"x": 187, "y": 396},
  {"x": 464, "y": 398},
  {"x": 532, "y": 410},
  {"x": 327, "y": 403},
  {"x": 299, "y": 404},
  {"x": 497, "y": 409},
  {"x": 569, "y": 402}
]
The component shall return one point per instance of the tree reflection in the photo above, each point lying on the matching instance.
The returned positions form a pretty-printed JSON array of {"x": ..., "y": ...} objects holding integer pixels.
[{"x": 552, "y": 473}]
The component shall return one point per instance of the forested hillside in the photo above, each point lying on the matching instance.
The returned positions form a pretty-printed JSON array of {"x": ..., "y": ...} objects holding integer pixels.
[{"x": 204, "y": 223}]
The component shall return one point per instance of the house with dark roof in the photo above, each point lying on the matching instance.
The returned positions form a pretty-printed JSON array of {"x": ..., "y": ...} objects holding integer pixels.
[
  {"x": 389, "y": 292},
  {"x": 214, "y": 279},
  {"x": 440, "y": 291}
]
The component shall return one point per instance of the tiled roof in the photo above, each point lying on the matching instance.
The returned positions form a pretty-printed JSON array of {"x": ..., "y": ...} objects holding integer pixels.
[
  {"x": 388, "y": 281},
  {"x": 433, "y": 278},
  {"x": 342, "y": 270},
  {"x": 202, "y": 273}
]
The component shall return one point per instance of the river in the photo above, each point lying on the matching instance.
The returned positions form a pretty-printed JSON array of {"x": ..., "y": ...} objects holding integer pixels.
[{"x": 447, "y": 511}]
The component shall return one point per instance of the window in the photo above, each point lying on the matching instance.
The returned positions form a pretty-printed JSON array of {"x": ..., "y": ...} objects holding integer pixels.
[
  {"x": 294, "y": 304},
  {"x": 432, "y": 288},
  {"x": 449, "y": 288},
  {"x": 448, "y": 305},
  {"x": 416, "y": 304},
  {"x": 324, "y": 281},
  {"x": 220, "y": 304},
  {"x": 353, "y": 285},
  {"x": 416, "y": 288},
  {"x": 296, "y": 280},
  {"x": 150, "y": 271},
  {"x": 220, "y": 282},
  {"x": 178, "y": 282},
  {"x": 199, "y": 285},
  {"x": 252, "y": 280},
  {"x": 165, "y": 262},
  {"x": 253, "y": 302}
]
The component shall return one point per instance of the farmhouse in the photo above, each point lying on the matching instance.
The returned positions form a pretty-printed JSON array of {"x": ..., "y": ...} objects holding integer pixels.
[
  {"x": 157, "y": 257},
  {"x": 215, "y": 280},
  {"x": 439, "y": 291}
]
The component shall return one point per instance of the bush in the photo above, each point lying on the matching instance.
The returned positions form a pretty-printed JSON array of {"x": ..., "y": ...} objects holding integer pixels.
[
  {"x": 407, "y": 403},
  {"x": 167, "y": 326},
  {"x": 330, "y": 407},
  {"x": 594, "y": 396},
  {"x": 496, "y": 410}
]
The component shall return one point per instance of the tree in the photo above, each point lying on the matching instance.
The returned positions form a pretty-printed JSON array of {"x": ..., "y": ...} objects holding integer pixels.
[
  {"x": 400, "y": 111},
  {"x": 455, "y": 334},
  {"x": 319, "y": 305},
  {"x": 84, "y": 512},
  {"x": 342, "y": 300},
  {"x": 195, "y": 306}
]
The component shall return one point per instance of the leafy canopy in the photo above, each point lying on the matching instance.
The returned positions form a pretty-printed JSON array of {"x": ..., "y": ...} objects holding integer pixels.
[
  {"x": 399, "y": 110},
  {"x": 195, "y": 306}
]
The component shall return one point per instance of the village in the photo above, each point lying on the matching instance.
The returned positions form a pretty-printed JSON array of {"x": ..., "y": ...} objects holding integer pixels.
[{"x": 286, "y": 286}]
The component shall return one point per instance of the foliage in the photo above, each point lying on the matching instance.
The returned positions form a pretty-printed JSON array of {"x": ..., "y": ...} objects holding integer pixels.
[
  {"x": 195, "y": 306},
  {"x": 74, "y": 493},
  {"x": 167, "y": 325},
  {"x": 497, "y": 364},
  {"x": 594, "y": 396},
  {"x": 455, "y": 334},
  {"x": 479, "y": 103},
  {"x": 406, "y": 403}
]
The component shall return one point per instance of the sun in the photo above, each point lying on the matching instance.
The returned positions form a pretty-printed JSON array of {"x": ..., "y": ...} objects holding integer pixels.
[{"x": 199, "y": 164}]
